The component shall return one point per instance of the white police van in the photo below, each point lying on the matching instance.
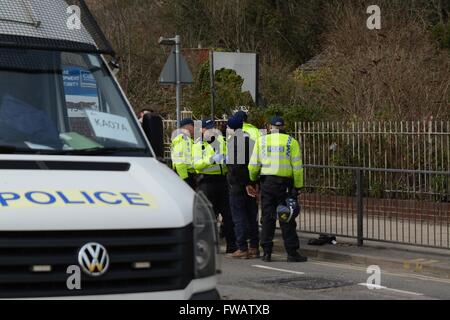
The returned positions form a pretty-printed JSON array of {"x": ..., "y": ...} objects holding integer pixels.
[{"x": 86, "y": 209}]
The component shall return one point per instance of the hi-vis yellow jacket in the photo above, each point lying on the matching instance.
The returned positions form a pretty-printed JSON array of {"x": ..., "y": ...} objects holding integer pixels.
[
  {"x": 279, "y": 155},
  {"x": 203, "y": 153},
  {"x": 252, "y": 131},
  {"x": 181, "y": 152}
]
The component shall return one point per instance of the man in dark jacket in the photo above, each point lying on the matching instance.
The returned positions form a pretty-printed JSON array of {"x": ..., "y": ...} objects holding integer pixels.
[{"x": 244, "y": 209}]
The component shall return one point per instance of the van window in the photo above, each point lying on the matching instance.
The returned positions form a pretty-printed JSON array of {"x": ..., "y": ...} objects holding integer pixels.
[{"x": 63, "y": 103}]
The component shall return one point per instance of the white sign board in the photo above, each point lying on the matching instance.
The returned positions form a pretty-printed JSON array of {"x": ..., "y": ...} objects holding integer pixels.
[
  {"x": 110, "y": 126},
  {"x": 245, "y": 65}
]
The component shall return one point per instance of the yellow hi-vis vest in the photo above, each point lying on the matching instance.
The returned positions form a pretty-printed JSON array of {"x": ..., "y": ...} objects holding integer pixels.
[
  {"x": 181, "y": 153},
  {"x": 277, "y": 155},
  {"x": 203, "y": 153},
  {"x": 252, "y": 131}
]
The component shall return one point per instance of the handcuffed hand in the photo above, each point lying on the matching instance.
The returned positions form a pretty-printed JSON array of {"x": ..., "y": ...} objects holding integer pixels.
[{"x": 252, "y": 191}]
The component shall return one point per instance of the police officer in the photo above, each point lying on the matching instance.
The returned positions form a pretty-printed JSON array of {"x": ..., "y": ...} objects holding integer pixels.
[
  {"x": 248, "y": 128},
  {"x": 209, "y": 162},
  {"x": 277, "y": 163},
  {"x": 181, "y": 152}
]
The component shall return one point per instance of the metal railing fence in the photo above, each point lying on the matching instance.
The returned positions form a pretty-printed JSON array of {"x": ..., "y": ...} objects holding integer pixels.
[{"x": 393, "y": 212}]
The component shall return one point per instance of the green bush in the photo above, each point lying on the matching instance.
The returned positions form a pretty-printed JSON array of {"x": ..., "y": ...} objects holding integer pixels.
[
  {"x": 376, "y": 189},
  {"x": 441, "y": 33},
  {"x": 441, "y": 188}
]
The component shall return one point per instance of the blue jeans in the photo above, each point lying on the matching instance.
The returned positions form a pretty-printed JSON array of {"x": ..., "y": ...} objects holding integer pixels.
[{"x": 244, "y": 210}]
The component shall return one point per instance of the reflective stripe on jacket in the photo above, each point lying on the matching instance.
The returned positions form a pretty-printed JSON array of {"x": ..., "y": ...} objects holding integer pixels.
[{"x": 278, "y": 155}]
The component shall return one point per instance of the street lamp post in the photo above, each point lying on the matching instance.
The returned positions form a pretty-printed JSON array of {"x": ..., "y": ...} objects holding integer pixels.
[
  {"x": 177, "y": 43},
  {"x": 178, "y": 78}
]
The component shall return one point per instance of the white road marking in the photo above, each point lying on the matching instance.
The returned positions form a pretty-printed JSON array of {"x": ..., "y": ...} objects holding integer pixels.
[
  {"x": 276, "y": 269},
  {"x": 401, "y": 275},
  {"x": 377, "y": 287}
]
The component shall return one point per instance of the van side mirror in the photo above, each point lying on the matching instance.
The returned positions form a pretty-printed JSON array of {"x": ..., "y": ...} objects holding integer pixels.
[{"x": 154, "y": 130}]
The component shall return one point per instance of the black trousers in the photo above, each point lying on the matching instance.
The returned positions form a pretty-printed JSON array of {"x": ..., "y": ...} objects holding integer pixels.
[
  {"x": 216, "y": 190},
  {"x": 274, "y": 192},
  {"x": 191, "y": 181}
]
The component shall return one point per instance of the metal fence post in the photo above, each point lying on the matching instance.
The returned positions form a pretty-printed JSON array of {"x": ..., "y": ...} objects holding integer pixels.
[{"x": 360, "y": 206}]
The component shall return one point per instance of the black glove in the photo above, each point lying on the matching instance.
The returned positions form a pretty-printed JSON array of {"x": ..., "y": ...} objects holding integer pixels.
[{"x": 295, "y": 192}]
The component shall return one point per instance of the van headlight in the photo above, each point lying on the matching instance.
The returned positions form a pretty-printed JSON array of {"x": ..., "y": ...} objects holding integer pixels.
[{"x": 205, "y": 238}]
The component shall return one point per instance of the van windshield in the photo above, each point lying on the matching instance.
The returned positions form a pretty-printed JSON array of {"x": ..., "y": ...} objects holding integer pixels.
[{"x": 63, "y": 103}]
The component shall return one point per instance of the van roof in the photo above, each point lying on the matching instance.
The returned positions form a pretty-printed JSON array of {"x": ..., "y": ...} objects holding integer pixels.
[{"x": 63, "y": 25}]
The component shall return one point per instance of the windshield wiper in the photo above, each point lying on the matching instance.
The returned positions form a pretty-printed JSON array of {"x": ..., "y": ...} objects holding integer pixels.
[{"x": 103, "y": 151}]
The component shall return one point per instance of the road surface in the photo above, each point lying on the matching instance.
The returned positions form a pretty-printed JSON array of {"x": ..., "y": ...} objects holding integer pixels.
[{"x": 316, "y": 280}]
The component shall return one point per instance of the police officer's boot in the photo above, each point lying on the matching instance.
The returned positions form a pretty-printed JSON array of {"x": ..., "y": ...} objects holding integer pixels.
[
  {"x": 267, "y": 257},
  {"x": 296, "y": 257}
]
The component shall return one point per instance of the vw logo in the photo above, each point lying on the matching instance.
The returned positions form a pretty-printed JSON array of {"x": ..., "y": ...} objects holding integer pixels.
[{"x": 93, "y": 259}]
